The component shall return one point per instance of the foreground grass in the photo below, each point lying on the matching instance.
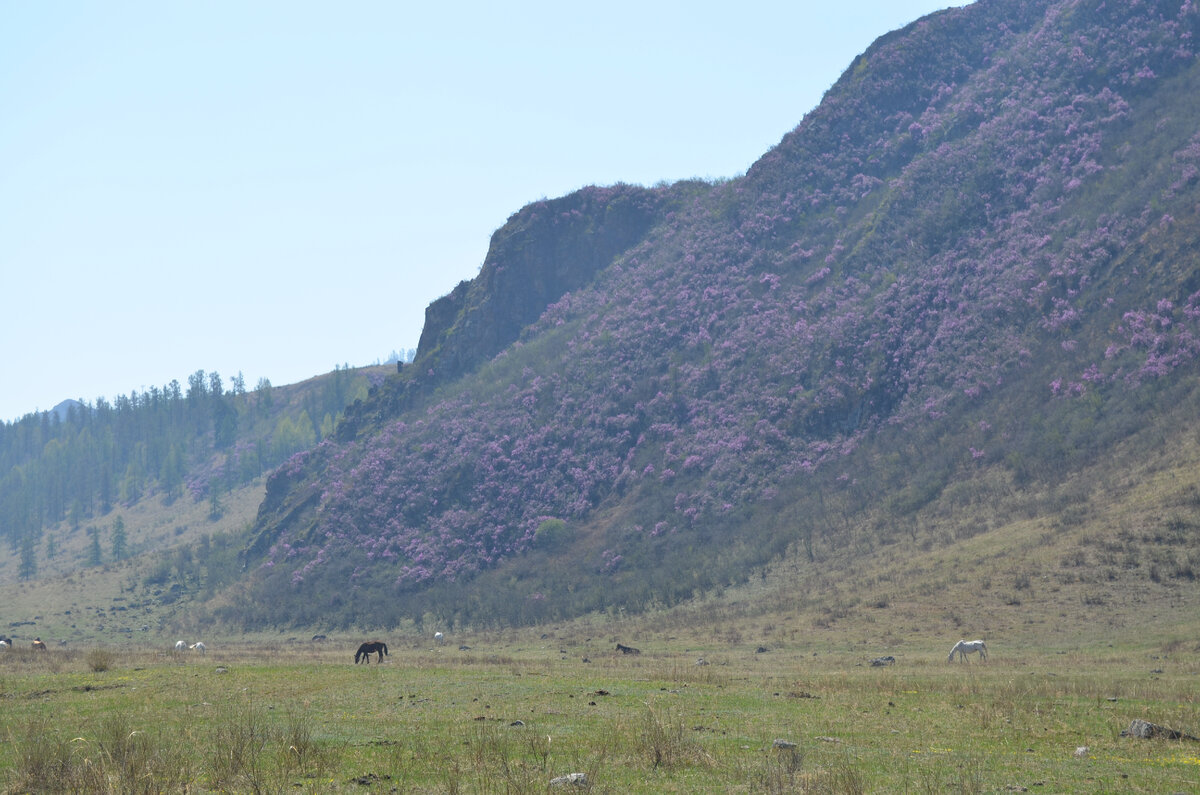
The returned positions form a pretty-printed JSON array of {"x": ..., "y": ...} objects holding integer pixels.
[{"x": 510, "y": 714}]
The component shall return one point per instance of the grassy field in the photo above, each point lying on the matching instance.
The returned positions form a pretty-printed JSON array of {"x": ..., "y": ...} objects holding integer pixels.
[{"x": 516, "y": 710}]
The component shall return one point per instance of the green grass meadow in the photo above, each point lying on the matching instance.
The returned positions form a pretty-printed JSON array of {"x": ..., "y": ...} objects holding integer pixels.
[{"x": 515, "y": 711}]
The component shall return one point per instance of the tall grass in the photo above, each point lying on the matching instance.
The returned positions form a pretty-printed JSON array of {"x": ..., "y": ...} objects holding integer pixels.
[
  {"x": 668, "y": 743},
  {"x": 114, "y": 757},
  {"x": 240, "y": 751}
]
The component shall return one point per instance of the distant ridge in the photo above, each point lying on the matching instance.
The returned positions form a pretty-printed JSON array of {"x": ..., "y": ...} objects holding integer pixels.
[{"x": 63, "y": 409}]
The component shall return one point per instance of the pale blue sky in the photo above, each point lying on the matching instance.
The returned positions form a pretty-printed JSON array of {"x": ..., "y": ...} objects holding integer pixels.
[{"x": 277, "y": 188}]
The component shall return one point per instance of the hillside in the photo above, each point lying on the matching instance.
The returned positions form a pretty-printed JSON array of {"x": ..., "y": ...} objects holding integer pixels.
[
  {"x": 969, "y": 271},
  {"x": 118, "y": 513},
  {"x": 932, "y": 358}
]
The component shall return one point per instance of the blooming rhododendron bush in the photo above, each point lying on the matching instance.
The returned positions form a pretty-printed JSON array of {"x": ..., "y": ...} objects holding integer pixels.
[{"x": 993, "y": 209}]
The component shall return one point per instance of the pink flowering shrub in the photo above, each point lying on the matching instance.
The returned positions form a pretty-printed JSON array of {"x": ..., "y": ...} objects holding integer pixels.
[{"x": 964, "y": 208}]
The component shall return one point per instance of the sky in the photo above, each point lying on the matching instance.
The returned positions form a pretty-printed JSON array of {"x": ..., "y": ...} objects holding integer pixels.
[{"x": 278, "y": 188}]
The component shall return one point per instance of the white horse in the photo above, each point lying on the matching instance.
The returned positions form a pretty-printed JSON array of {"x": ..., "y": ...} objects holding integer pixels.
[
  {"x": 199, "y": 646},
  {"x": 181, "y": 645},
  {"x": 965, "y": 647},
  {"x": 3, "y": 645},
  {"x": 439, "y": 638}
]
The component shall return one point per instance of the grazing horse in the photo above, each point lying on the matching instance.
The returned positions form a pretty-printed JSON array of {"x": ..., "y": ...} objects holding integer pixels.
[
  {"x": 439, "y": 638},
  {"x": 181, "y": 645},
  {"x": 367, "y": 649},
  {"x": 4, "y": 644},
  {"x": 39, "y": 644},
  {"x": 628, "y": 649},
  {"x": 199, "y": 646},
  {"x": 965, "y": 647}
]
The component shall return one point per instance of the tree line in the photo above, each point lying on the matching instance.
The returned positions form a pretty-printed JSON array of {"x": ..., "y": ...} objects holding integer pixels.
[{"x": 76, "y": 463}]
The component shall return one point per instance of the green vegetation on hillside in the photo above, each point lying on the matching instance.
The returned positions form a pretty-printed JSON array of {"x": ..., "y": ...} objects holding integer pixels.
[
  {"x": 969, "y": 274},
  {"x": 80, "y": 467},
  {"x": 932, "y": 361}
]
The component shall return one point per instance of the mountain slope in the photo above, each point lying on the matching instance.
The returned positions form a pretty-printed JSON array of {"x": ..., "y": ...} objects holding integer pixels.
[
  {"x": 973, "y": 260},
  {"x": 153, "y": 489}
]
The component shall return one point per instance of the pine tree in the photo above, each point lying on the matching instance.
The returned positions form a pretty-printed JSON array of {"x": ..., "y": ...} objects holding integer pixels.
[
  {"x": 215, "y": 509},
  {"x": 119, "y": 539},
  {"x": 171, "y": 476},
  {"x": 28, "y": 567},
  {"x": 95, "y": 556},
  {"x": 106, "y": 488},
  {"x": 225, "y": 424}
]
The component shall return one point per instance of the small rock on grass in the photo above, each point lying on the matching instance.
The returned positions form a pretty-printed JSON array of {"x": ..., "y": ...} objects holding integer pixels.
[{"x": 570, "y": 780}]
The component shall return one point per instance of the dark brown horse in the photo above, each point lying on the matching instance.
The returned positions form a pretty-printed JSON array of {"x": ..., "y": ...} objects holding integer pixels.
[{"x": 367, "y": 649}]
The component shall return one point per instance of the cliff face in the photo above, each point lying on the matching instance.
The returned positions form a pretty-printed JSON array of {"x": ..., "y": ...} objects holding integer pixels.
[
  {"x": 543, "y": 252},
  {"x": 988, "y": 218}
]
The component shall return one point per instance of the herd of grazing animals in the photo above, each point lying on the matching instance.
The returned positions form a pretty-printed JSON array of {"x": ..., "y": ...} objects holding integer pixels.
[
  {"x": 365, "y": 650},
  {"x": 6, "y": 643},
  {"x": 198, "y": 646},
  {"x": 962, "y": 649}
]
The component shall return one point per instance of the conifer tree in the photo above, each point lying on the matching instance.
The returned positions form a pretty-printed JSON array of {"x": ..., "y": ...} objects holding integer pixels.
[
  {"x": 28, "y": 566},
  {"x": 95, "y": 556},
  {"x": 215, "y": 509},
  {"x": 119, "y": 539}
]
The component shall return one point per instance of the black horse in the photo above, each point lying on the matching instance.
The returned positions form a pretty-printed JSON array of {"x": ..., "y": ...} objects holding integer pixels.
[{"x": 367, "y": 649}]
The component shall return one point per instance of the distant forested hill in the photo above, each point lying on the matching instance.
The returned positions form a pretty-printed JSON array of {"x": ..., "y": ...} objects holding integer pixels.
[
  {"x": 979, "y": 252},
  {"x": 75, "y": 464}
]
